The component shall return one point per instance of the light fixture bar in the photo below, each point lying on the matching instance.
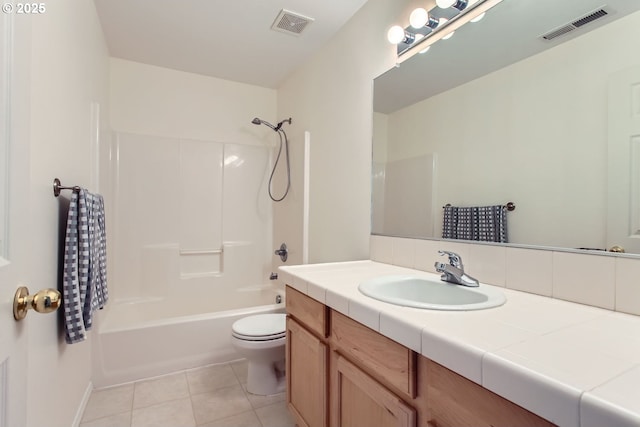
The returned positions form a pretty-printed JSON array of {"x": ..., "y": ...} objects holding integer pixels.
[{"x": 466, "y": 15}]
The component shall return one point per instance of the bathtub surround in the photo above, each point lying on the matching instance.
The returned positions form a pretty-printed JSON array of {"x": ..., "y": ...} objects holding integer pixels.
[
  {"x": 200, "y": 210},
  {"x": 204, "y": 152}
]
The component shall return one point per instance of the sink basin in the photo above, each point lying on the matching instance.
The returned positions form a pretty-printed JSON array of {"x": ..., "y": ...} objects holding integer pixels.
[{"x": 423, "y": 292}]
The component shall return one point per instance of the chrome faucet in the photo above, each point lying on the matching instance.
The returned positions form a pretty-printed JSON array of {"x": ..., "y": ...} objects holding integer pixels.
[{"x": 454, "y": 271}]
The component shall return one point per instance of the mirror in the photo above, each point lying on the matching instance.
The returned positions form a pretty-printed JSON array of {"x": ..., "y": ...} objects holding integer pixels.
[{"x": 498, "y": 114}]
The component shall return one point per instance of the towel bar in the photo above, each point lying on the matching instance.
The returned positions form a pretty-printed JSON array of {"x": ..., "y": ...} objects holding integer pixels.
[
  {"x": 509, "y": 205},
  {"x": 57, "y": 187}
]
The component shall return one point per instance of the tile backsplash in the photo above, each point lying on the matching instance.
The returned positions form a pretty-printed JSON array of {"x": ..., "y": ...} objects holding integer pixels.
[{"x": 606, "y": 281}]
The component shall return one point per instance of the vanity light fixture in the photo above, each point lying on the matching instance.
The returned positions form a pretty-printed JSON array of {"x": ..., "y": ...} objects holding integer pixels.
[
  {"x": 397, "y": 35},
  {"x": 421, "y": 18},
  {"x": 428, "y": 26},
  {"x": 456, "y": 4}
]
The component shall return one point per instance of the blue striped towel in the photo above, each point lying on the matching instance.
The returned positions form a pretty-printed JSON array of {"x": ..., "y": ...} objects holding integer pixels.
[
  {"x": 482, "y": 223},
  {"x": 85, "y": 264}
]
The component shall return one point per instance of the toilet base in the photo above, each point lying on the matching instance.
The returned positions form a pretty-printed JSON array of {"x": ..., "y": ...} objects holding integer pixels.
[{"x": 264, "y": 379}]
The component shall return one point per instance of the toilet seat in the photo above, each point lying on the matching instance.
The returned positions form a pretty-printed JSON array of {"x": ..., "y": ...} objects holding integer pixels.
[
  {"x": 260, "y": 338},
  {"x": 260, "y": 327}
]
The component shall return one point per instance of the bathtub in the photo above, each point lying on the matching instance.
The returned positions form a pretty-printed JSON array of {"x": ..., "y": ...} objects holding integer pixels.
[{"x": 158, "y": 336}]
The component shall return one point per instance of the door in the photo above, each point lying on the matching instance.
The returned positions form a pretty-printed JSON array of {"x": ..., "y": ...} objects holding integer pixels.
[
  {"x": 357, "y": 400},
  {"x": 14, "y": 213},
  {"x": 623, "y": 209},
  {"x": 306, "y": 376}
]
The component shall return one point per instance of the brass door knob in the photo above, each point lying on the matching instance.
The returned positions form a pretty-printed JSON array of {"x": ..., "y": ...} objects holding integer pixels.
[
  {"x": 617, "y": 248},
  {"x": 44, "y": 301}
]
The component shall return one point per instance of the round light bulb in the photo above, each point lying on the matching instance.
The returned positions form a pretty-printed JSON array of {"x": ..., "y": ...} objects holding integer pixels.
[
  {"x": 425, "y": 49},
  {"x": 419, "y": 18},
  {"x": 479, "y": 17},
  {"x": 445, "y": 3},
  {"x": 395, "y": 35},
  {"x": 448, "y": 36}
]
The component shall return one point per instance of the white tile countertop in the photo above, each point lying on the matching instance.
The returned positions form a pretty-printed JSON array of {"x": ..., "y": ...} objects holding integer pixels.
[{"x": 575, "y": 365}]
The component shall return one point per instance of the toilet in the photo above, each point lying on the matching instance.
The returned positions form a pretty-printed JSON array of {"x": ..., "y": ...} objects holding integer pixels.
[{"x": 261, "y": 340}]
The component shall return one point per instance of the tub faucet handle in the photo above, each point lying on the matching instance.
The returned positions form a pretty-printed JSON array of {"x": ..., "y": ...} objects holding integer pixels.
[{"x": 283, "y": 252}]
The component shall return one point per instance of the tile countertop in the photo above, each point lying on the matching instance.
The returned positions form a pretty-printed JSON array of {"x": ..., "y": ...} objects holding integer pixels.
[{"x": 572, "y": 364}]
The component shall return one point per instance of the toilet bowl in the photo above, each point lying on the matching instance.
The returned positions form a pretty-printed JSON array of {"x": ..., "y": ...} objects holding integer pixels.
[{"x": 261, "y": 340}]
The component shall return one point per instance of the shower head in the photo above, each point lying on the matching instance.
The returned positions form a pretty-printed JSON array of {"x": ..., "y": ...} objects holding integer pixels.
[{"x": 257, "y": 121}]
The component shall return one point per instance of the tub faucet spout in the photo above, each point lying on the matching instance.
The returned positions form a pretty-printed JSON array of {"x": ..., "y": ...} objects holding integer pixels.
[{"x": 454, "y": 271}]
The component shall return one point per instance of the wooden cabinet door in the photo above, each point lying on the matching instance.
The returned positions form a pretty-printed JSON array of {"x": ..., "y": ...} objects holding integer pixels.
[
  {"x": 360, "y": 401},
  {"x": 455, "y": 401},
  {"x": 306, "y": 376}
]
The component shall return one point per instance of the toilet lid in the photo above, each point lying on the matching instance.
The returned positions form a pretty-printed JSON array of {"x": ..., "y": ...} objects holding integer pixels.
[{"x": 264, "y": 326}]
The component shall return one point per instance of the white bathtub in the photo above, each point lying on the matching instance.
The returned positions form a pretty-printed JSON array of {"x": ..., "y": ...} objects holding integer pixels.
[{"x": 155, "y": 337}]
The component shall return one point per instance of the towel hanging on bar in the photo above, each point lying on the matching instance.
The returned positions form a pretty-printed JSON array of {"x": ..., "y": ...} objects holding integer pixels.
[
  {"x": 85, "y": 264},
  {"x": 481, "y": 223}
]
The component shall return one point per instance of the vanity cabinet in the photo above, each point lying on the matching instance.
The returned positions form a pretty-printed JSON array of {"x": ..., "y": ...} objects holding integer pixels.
[
  {"x": 307, "y": 360},
  {"x": 342, "y": 374}
]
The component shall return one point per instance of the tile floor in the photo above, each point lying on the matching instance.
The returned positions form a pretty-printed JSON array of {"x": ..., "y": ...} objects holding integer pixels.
[{"x": 212, "y": 396}]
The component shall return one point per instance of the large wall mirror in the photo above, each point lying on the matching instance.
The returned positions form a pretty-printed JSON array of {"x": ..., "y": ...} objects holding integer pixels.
[{"x": 499, "y": 114}]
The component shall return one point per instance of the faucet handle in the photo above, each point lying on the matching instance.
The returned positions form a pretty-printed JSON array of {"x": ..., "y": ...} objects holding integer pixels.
[{"x": 454, "y": 259}]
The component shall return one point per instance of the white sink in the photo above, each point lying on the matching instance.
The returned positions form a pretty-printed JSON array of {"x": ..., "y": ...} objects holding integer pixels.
[{"x": 422, "y": 292}]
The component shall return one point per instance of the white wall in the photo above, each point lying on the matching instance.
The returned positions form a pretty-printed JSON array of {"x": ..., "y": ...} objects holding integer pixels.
[
  {"x": 69, "y": 79},
  {"x": 534, "y": 133},
  {"x": 331, "y": 96},
  {"x": 151, "y": 100}
]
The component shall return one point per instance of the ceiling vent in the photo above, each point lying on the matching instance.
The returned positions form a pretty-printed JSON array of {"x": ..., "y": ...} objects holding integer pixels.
[
  {"x": 291, "y": 23},
  {"x": 574, "y": 25}
]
